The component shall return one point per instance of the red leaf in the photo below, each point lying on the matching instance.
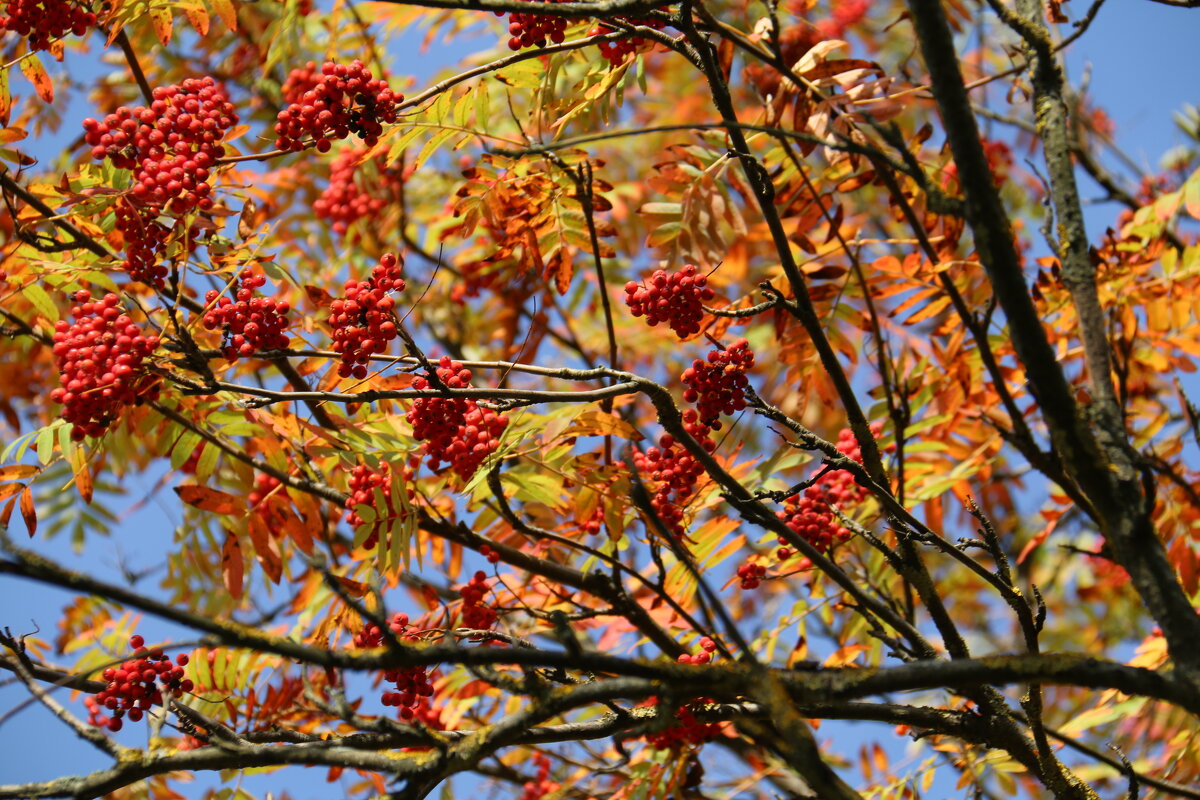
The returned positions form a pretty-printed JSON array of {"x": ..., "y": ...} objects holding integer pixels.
[{"x": 209, "y": 499}]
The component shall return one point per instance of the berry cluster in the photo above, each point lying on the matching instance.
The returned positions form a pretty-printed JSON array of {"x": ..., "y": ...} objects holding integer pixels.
[
  {"x": 810, "y": 514},
  {"x": 707, "y": 648},
  {"x": 846, "y": 14},
  {"x": 145, "y": 238},
  {"x": 412, "y": 684},
  {"x": 363, "y": 323},
  {"x": 346, "y": 99},
  {"x": 345, "y": 200},
  {"x": 43, "y": 22},
  {"x": 99, "y": 358},
  {"x": 264, "y": 489},
  {"x": 718, "y": 386},
  {"x": 540, "y": 786},
  {"x": 675, "y": 470},
  {"x": 491, "y": 555},
  {"x": 476, "y": 615},
  {"x": 751, "y": 574},
  {"x": 676, "y": 298},
  {"x": 299, "y": 81},
  {"x": 616, "y": 52},
  {"x": 248, "y": 323},
  {"x": 532, "y": 30},
  {"x": 687, "y": 732},
  {"x": 136, "y": 685},
  {"x": 363, "y": 483},
  {"x": 454, "y": 430},
  {"x": 170, "y": 146}
]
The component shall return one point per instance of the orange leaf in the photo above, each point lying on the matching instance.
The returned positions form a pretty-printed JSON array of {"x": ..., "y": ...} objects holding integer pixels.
[
  {"x": 83, "y": 475},
  {"x": 265, "y": 548},
  {"x": 198, "y": 16},
  {"x": 5, "y": 98},
  {"x": 6, "y": 515},
  {"x": 226, "y": 12},
  {"x": 232, "y": 566},
  {"x": 352, "y": 587},
  {"x": 297, "y": 531},
  {"x": 31, "y": 68},
  {"x": 16, "y": 472},
  {"x": 209, "y": 499},
  {"x": 28, "y": 512}
]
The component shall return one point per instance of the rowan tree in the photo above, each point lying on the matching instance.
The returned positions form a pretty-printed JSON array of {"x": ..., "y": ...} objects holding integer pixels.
[{"x": 612, "y": 415}]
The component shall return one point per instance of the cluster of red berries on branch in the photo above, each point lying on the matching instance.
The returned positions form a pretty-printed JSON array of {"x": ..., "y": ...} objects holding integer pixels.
[
  {"x": 299, "y": 81},
  {"x": 248, "y": 323},
  {"x": 810, "y": 513},
  {"x": 145, "y": 239},
  {"x": 541, "y": 785},
  {"x": 412, "y": 687},
  {"x": 363, "y": 483},
  {"x": 533, "y": 30},
  {"x": 675, "y": 470},
  {"x": 617, "y": 51},
  {"x": 476, "y": 615},
  {"x": 43, "y": 22},
  {"x": 345, "y": 99},
  {"x": 707, "y": 648},
  {"x": 454, "y": 430},
  {"x": 676, "y": 298},
  {"x": 137, "y": 685},
  {"x": 349, "y": 196},
  {"x": 363, "y": 322},
  {"x": 751, "y": 574},
  {"x": 687, "y": 731},
  {"x": 100, "y": 362},
  {"x": 537, "y": 30},
  {"x": 170, "y": 145},
  {"x": 718, "y": 386}
]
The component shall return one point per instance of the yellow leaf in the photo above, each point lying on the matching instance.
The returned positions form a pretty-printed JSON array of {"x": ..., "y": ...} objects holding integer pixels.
[
  {"x": 226, "y": 11},
  {"x": 31, "y": 68},
  {"x": 160, "y": 18}
]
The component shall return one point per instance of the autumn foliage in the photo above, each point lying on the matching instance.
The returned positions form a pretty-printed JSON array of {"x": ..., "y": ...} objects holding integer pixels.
[{"x": 618, "y": 413}]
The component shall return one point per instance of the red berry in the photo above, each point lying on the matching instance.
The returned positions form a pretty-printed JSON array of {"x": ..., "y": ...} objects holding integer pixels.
[
  {"x": 341, "y": 100},
  {"x": 99, "y": 358},
  {"x": 676, "y": 298},
  {"x": 455, "y": 430}
]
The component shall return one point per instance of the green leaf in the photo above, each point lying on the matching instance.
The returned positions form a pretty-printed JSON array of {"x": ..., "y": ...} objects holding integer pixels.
[
  {"x": 184, "y": 447},
  {"x": 36, "y": 295},
  {"x": 431, "y": 147}
]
